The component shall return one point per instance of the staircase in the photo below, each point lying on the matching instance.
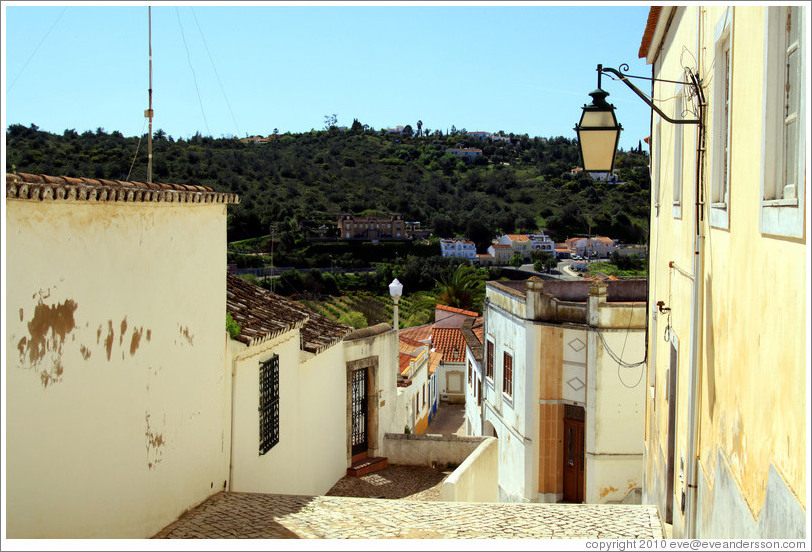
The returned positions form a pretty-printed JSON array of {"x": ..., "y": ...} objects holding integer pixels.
[{"x": 362, "y": 464}]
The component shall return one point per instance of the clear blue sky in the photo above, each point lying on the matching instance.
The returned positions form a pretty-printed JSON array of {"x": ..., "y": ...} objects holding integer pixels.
[{"x": 247, "y": 69}]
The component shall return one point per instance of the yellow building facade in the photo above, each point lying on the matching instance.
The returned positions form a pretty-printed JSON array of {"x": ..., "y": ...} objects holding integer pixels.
[{"x": 726, "y": 412}]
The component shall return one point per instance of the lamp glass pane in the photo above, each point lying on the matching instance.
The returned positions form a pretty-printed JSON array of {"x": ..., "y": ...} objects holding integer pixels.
[
  {"x": 598, "y": 119},
  {"x": 598, "y": 149}
]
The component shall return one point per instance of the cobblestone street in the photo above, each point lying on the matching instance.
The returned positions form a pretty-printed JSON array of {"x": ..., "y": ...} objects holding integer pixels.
[
  {"x": 250, "y": 515},
  {"x": 394, "y": 482}
]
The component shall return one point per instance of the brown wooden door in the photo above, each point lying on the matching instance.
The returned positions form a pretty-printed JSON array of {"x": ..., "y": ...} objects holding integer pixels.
[{"x": 573, "y": 460}]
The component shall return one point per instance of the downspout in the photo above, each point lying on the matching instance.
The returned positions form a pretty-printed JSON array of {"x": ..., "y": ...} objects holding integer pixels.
[
  {"x": 233, "y": 362},
  {"x": 697, "y": 305},
  {"x": 483, "y": 366}
]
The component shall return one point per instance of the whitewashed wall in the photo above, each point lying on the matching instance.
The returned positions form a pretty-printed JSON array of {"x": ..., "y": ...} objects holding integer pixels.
[
  {"x": 116, "y": 387},
  {"x": 312, "y": 401},
  {"x": 615, "y": 416}
]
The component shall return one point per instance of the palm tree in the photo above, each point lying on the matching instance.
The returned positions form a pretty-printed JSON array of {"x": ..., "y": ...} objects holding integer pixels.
[
  {"x": 419, "y": 126},
  {"x": 462, "y": 288}
]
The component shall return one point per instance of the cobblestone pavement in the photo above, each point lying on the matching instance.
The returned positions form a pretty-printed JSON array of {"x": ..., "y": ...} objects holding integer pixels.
[
  {"x": 448, "y": 420},
  {"x": 265, "y": 516},
  {"x": 394, "y": 482}
]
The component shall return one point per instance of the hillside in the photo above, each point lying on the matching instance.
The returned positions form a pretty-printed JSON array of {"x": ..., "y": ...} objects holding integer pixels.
[{"x": 302, "y": 181}]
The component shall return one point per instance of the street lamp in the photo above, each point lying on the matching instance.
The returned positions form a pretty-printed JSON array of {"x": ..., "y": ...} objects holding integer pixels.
[
  {"x": 396, "y": 290},
  {"x": 598, "y": 132}
]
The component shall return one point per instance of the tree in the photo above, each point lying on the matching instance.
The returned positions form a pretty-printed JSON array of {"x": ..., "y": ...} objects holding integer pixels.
[
  {"x": 330, "y": 121},
  {"x": 462, "y": 288},
  {"x": 419, "y": 127},
  {"x": 516, "y": 261},
  {"x": 407, "y": 130}
]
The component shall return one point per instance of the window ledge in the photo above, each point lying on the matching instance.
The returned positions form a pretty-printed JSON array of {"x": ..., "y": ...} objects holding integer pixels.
[
  {"x": 720, "y": 206},
  {"x": 780, "y": 202}
]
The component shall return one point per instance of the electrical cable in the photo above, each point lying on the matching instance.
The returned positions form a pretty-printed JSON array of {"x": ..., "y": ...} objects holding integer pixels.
[
  {"x": 205, "y": 44},
  {"x": 35, "y": 50},
  {"x": 140, "y": 137},
  {"x": 194, "y": 75}
]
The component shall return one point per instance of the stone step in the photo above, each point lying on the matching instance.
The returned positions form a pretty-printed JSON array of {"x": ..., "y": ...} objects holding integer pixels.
[{"x": 367, "y": 465}]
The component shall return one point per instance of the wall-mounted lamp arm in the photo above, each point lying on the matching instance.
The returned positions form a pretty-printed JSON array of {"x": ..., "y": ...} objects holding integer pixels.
[{"x": 625, "y": 79}]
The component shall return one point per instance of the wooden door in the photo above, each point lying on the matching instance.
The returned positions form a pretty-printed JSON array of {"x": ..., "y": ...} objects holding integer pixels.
[{"x": 573, "y": 460}]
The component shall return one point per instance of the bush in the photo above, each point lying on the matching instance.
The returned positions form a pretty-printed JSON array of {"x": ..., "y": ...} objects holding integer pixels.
[
  {"x": 232, "y": 327},
  {"x": 354, "y": 319}
]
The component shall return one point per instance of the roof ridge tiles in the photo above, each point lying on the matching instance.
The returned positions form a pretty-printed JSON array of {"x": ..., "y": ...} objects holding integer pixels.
[{"x": 49, "y": 187}]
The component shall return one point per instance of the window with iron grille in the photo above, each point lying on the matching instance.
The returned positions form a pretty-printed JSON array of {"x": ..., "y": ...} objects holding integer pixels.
[
  {"x": 507, "y": 379},
  {"x": 489, "y": 362},
  {"x": 268, "y": 404}
]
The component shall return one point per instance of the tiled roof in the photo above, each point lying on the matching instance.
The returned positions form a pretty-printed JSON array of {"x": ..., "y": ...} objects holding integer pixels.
[
  {"x": 263, "y": 315},
  {"x": 434, "y": 361},
  {"x": 648, "y": 34},
  {"x": 603, "y": 239},
  {"x": 417, "y": 333},
  {"x": 405, "y": 362},
  {"x": 456, "y": 310},
  {"x": 474, "y": 343},
  {"x": 450, "y": 342},
  {"x": 500, "y": 246},
  {"x": 43, "y": 187},
  {"x": 409, "y": 346},
  {"x": 518, "y": 237}
]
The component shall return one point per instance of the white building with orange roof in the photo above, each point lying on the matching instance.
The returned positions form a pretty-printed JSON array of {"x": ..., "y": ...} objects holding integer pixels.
[
  {"x": 414, "y": 385},
  {"x": 525, "y": 244}
]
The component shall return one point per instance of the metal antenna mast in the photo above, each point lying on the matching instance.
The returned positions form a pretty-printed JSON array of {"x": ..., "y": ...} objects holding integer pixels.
[{"x": 149, "y": 112}]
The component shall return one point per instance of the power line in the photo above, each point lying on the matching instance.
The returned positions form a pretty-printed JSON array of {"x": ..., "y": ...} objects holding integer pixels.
[
  {"x": 216, "y": 73},
  {"x": 35, "y": 50},
  {"x": 194, "y": 75}
]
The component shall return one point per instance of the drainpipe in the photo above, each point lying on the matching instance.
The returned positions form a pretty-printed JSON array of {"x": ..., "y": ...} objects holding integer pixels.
[
  {"x": 232, "y": 361},
  {"x": 697, "y": 309},
  {"x": 482, "y": 366}
]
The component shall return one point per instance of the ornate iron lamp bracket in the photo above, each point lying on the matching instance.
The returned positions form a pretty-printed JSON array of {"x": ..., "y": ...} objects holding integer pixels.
[{"x": 694, "y": 83}]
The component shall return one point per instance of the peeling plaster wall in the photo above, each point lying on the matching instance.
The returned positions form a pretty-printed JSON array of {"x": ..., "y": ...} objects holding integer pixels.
[
  {"x": 115, "y": 366},
  {"x": 753, "y": 363}
]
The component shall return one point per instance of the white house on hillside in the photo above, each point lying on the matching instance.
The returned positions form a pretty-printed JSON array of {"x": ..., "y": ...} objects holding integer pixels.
[{"x": 457, "y": 247}]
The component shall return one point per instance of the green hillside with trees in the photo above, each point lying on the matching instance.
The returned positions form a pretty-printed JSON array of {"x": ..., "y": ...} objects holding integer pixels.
[{"x": 304, "y": 181}]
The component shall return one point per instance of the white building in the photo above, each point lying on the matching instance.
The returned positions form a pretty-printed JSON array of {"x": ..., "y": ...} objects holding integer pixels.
[
  {"x": 563, "y": 390},
  {"x": 458, "y": 247}
]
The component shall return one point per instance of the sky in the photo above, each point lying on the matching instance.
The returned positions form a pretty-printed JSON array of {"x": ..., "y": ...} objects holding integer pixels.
[{"x": 249, "y": 68}]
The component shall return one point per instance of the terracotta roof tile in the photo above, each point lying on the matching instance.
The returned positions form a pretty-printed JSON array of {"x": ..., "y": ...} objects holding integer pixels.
[
  {"x": 450, "y": 342},
  {"x": 435, "y": 357},
  {"x": 456, "y": 310},
  {"x": 44, "y": 187},
  {"x": 417, "y": 333},
  {"x": 518, "y": 237},
  {"x": 263, "y": 315},
  {"x": 648, "y": 34}
]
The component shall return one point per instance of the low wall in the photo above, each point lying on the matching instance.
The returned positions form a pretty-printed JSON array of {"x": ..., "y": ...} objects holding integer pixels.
[
  {"x": 428, "y": 449},
  {"x": 476, "y": 477}
]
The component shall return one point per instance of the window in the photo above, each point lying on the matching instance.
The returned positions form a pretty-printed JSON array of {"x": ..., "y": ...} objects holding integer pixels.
[
  {"x": 268, "y": 404},
  {"x": 676, "y": 208},
  {"x": 720, "y": 160},
  {"x": 489, "y": 361},
  {"x": 470, "y": 373},
  {"x": 783, "y": 143},
  {"x": 657, "y": 146},
  {"x": 424, "y": 394},
  {"x": 507, "y": 376}
]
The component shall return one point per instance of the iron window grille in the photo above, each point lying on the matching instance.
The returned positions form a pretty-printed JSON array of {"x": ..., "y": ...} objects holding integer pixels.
[
  {"x": 268, "y": 404},
  {"x": 489, "y": 361}
]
